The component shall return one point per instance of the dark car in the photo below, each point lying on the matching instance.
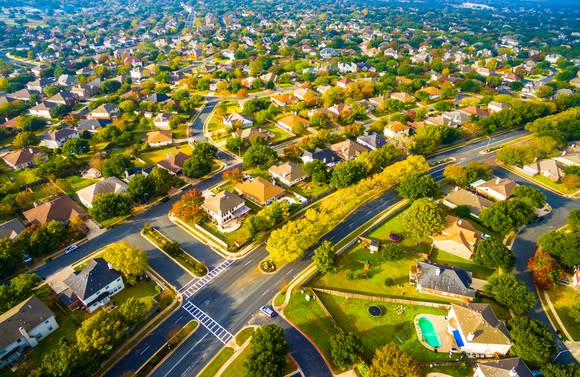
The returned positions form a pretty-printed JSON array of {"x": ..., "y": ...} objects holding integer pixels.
[{"x": 165, "y": 199}]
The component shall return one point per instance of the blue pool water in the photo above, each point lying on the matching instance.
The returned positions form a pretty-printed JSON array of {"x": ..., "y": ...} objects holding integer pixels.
[{"x": 429, "y": 333}]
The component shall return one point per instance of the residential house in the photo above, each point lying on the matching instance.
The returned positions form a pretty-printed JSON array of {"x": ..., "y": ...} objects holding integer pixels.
[
  {"x": 237, "y": 120},
  {"x": 432, "y": 92},
  {"x": 458, "y": 237},
  {"x": 63, "y": 98},
  {"x": 289, "y": 173},
  {"x": 23, "y": 95},
  {"x": 93, "y": 286},
  {"x": 174, "y": 162},
  {"x": 161, "y": 121},
  {"x": 159, "y": 138},
  {"x": 290, "y": 122},
  {"x": 343, "y": 82},
  {"x": 325, "y": 155},
  {"x": 477, "y": 330},
  {"x": 495, "y": 188},
  {"x": 283, "y": 99},
  {"x": 494, "y": 107},
  {"x": 301, "y": 93},
  {"x": 378, "y": 101},
  {"x": 348, "y": 149},
  {"x": 454, "y": 118},
  {"x": 435, "y": 120},
  {"x": 328, "y": 53},
  {"x": 66, "y": 80},
  {"x": 22, "y": 327},
  {"x": 371, "y": 140},
  {"x": 62, "y": 209},
  {"x": 259, "y": 190},
  {"x": 339, "y": 109},
  {"x": 225, "y": 207},
  {"x": 57, "y": 138},
  {"x": 40, "y": 84},
  {"x": 474, "y": 111},
  {"x": 109, "y": 185},
  {"x": 249, "y": 134},
  {"x": 511, "y": 367},
  {"x": 462, "y": 197},
  {"x": 443, "y": 281},
  {"x": 569, "y": 157},
  {"x": 106, "y": 111},
  {"x": 23, "y": 158},
  {"x": 42, "y": 109},
  {"x": 547, "y": 167},
  {"x": 396, "y": 129},
  {"x": 92, "y": 125},
  {"x": 403, "y": 97},
  {"x": 11, "y": 229}
]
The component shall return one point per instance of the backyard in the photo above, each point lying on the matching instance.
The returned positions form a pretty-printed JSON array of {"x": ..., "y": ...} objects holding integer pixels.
[{"x": 154, "y": 156}]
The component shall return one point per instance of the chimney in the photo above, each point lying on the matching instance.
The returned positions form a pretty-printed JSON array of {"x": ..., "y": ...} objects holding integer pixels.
[
  {"x": 110, "y": 265},
  {"x": 470, "y": 337},
  {"x": 497, "y": 180},
  {"x": 438, "y": 272}
]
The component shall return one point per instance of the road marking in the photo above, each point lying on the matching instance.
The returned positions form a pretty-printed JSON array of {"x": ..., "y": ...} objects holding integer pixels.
[
  {"x": 190, "y": 289},
  {"x": 184, "y": 356},
  {"x": 247, "y": 263},
  {"x": 146, "y": 348},
  {"x": 209, "y": 323},
  {"x": 178, "y": 319}
]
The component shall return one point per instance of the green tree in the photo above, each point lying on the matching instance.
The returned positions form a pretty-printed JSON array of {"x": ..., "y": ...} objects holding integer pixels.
[
  {"x": 533, "y": 196},
  {"x": 260, "y": 155},
  {"x": 563, "y": 246},
  {"x": 196, "y": 167},
  {"x": 390, "y": 361},
  {"x": 161, "y": 180},
  {"x": 116, "y": 165},
  {"x": 140, "y": 188},
  {"x": 348, "y": 173},
  {"x": 423, "y": 218},
  {"x": 61, "y": 361},
  {"x": 456, "y": 174},
  {"x": 204, "y": 151},
  {"x": 133, "y": 311},
  {"x": 129, "y": 261},
  {"x": 477, "y": 170},
  {"x": 109, "y": 205},
  {"x": 10, "y": 256},
  {"x": 110, "y": 86},
  {"x": 574, "y": 217},
  {"x": 59, "y": 111},
  {"x": 316, "y": 170},
  {"x": 24, "y": 140},
  {"x": 345, "y": 349},
  {"x": 556, "y": 370},
  {"x": 19, "y": 288},
  {"x": 532, "y": 341},
  {"x": 416, "y": 185},
  {"x": 510, "y": 292},
  {"x": 492, "y": 253},
  {"x": 75, "y": 146},
  {"x": 507, "y": 214},
  {"x": 234, "y": 143},
  {"x": 100, "y": 333},
  {"x": 324, "y": 257},
  {"x": 268, "y": 351}
]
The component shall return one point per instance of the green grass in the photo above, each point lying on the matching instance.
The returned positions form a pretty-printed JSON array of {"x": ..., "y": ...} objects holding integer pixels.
[
  {"x": 154, "y": 156},
  {"x": 236, "y": 368},
  {"x": 216, "y": 363},
  {"x": 457, "y": 370},
  {"x": 479, "y": 271},
  {"x": 309, "y": 189},
  {"x": 280, "y": 297},
  {"x": 144, "y": 290},
  {"x": 394, "y": 225},
  {"x": 244, "y": 335},
  {"x": 240, "y": 236},
  {"x": 564, "y": 298},
  {"x": 279, "y": 133},
  {"x": 392, "y": 327},
  {"x": 555, "y": 185},
  {"x": 113, "y": 221},
  {"x": 77, "y": 182}
]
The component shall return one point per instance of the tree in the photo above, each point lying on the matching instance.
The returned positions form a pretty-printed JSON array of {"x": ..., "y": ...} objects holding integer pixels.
[
  {"x": 324, "y": 257},
  {"x": 563, "y": 246},
  {"x": 492, "y": 253},
  {"x": 556, "y": 370},
  {"x": 99, "y": 333},
  {"x": 234, "y": 143},
  {"x": 510, "y": 292},
  {"x": 133, "y": 311},
  {"x": 348, "y": 173},
  {"x": 109, "y": 205},
  {"x": 161, "y": 181},
  {"x": 423, "y": 218},
  {"x": 10, "y": 255},
  {"x": 268, "y": 351},
  {"x": 260, "y": 155},
  {"x": 533, "y": 196},
  {"x": 59, "y": 111},
  {"x": 204, "y": 151},
  {"x": 61, "y": 361},
  {"x": 195, "y": 167},
  {"x": 75, "y": 146},
  {"x": 456, "y": 174},
  {"x": 390, "y": 361},
  {"x": 17, "y": 290},
  {"x": 477, "y": 170},
  {"x": 188, "y": 208},
  {"x": 545, "y": 269},
  {"x": 507, "y": 214},
  {"x": 574, "y": 218},
  {"x": 129, "y": 261},
  {"x": 140, "y": 188},
  {"x": 316, "y": 170},
  {"x": 110, "y": 86},
  {"x": 345, "y": 349},
  {"x": 416, "y": 185},
  {"x": 532, "y": 341},
  {"x": 116, "y": 165},
  {"x": 24, "y": 140}
]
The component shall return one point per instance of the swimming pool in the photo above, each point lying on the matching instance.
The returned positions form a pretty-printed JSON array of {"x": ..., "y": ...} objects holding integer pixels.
[{"x": 429, "y": 333}]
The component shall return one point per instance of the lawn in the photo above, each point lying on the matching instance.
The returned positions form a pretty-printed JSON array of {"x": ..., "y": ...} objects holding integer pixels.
[
  {"x": 394, "y": 225},
  {"x": 309, "y": 189},
  {"x": 154, "y": 156},
  {"x": 244, "y": 335},
  {"x": 564, "y": 298},
  {"x": 351, "y": 275},
  {"x": 457, "y": 370},
  {"x": 77, "y": 182},
  {"x": 144, "y": 290},
  {"x": 556, "y": 186},
  {"x": 393, "y": 327},
  {"x": 279, "y": 133},
  {"x": 240, "y": 236},
  {"x": 479, "y": 271},
  {"x": 216, "y": 363}
]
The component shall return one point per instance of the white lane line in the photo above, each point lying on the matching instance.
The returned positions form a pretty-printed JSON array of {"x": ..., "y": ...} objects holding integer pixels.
[
  {"x": 178, "y": 319},
  {"x": 184, "y": 356},
  {"x": 266, "y": 292},
  {"x": 247, "y": 263},
  {"x": 146, "y": 348}
]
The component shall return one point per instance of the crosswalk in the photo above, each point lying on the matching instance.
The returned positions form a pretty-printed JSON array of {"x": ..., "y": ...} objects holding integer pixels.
[
  {"x": 206, "y": 321},
  {"x": 195, "y": 285}
]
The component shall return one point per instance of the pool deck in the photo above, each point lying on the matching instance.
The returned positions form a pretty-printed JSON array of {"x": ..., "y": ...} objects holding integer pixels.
[{"x": 440, "y": 325}]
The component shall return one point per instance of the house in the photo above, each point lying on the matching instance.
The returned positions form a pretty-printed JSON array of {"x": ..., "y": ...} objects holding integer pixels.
[
  {"x": 161, "y": 121},
  {"x": 92, "y": 125},
  {"x": 328, "y": 53},
  {"x": 432, "y": 92},
  {"x": 511, "y": 367},
  {"x": 283, "y": 99},
  {"x": 495, "y": 188},
  {"x": 93, "y": 286},
  {"x": 444, "y": 281},
  {"x": 348, "y": 149},
  {"x": 339, "y": 109},
  {"x": 289, "y": 173},
  {"x": 547, "y": 167},
  {"x": 22, "y": 327},
  {"x": 458, "y": 237},
  {"x": 237, "y": 120},
  {"x": 11, "y": 229},
  {"x": 174, "y": 162},
  {"x": 66, "y": 80},
  {"x": 462, "y": 197},
  {"x": 23, "y": 158},
  {"x": 106, "y": 111},
  {"x": 109, "y": 185},
  {"x": 343, "y": 82},
  {"x": 40, "y": 84},
  {"x": 290, "y": 122},
  {"x": 23, "y": 95},
  {"x": 494, "y": 107},
  {"x": 371, "y": 140},
  {"x": 403, "y": 97},
  {"x": 454, "y": 118},
  {"x": 477, "y": 330},
  {"x": 42, "y": 109},
  {"x": 92, "y": 173},
  {"x": 57, "y": 138},
  {"x": 259, "y": 190},
  {"x": 474, "y": 111},
  {"x": 569, "y": 158},
  {"x": 396, "y": 129},
  {"x": 62, "y": 209},
  {"x": 159, "y": 138},
  {"x": 249, "y": 134},
  {"x": 325, "y": 155},
  {"x": 225, "y": 207},
  {"x": 301, "y": 93},
  {"x": 63, "y": 98}
]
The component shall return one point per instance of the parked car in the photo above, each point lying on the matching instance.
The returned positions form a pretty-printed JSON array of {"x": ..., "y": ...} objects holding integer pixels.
[
  {"x": 27, "y": 258},
  {"x": 268, "y": 310},
  {"x": 165, "y": 199},
  {"x": 71, "y": 248}
]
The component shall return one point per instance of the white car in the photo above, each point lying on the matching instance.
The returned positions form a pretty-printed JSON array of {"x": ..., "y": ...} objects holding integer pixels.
[
  {"x": 268, "y": 310},
  {"x": 71, "y": 248}
]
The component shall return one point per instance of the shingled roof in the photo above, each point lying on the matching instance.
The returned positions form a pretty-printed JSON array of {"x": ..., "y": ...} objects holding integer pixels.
[
  {"x": 444, "y": 279},
  {"x": 91, "y": 279},
  {"x": 28, "y": 314}
]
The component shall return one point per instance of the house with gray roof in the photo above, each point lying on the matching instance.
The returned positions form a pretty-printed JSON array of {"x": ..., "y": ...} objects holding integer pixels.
[
  {"x": 511, "y": 367},
  {"x": 93, "y": 286},
  {"x": 444, "y": 281},
  {"x": 371, "y": 140},
  {"x": 11, "y": 229}
]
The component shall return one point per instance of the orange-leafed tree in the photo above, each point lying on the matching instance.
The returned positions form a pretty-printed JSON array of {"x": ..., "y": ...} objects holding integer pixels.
[
  {"x": 189, "y": 209},
  {"x": 545, "y": 268}
]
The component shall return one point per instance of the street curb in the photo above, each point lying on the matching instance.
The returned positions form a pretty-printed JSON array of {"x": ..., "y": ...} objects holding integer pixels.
[{"x": 536, "y": 182}]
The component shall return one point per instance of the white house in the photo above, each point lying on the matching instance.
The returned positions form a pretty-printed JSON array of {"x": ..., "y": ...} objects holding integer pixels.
[
  {"x": 56, "y": 139},
  {"x": 225, "y": 206},
  {"x": 289, "y": 173},
  {"x": 110, "y": 185},
  {"x": 93, "y": 286},
  {"x": 237, "y": 119},
  {"x": 396, "y": 129},
  {"x": 161, "y": 121},
  {"x": 477, "y": 330},
  {"x": 22, "y": 327},
  {"x": 495, "y": 188}
]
